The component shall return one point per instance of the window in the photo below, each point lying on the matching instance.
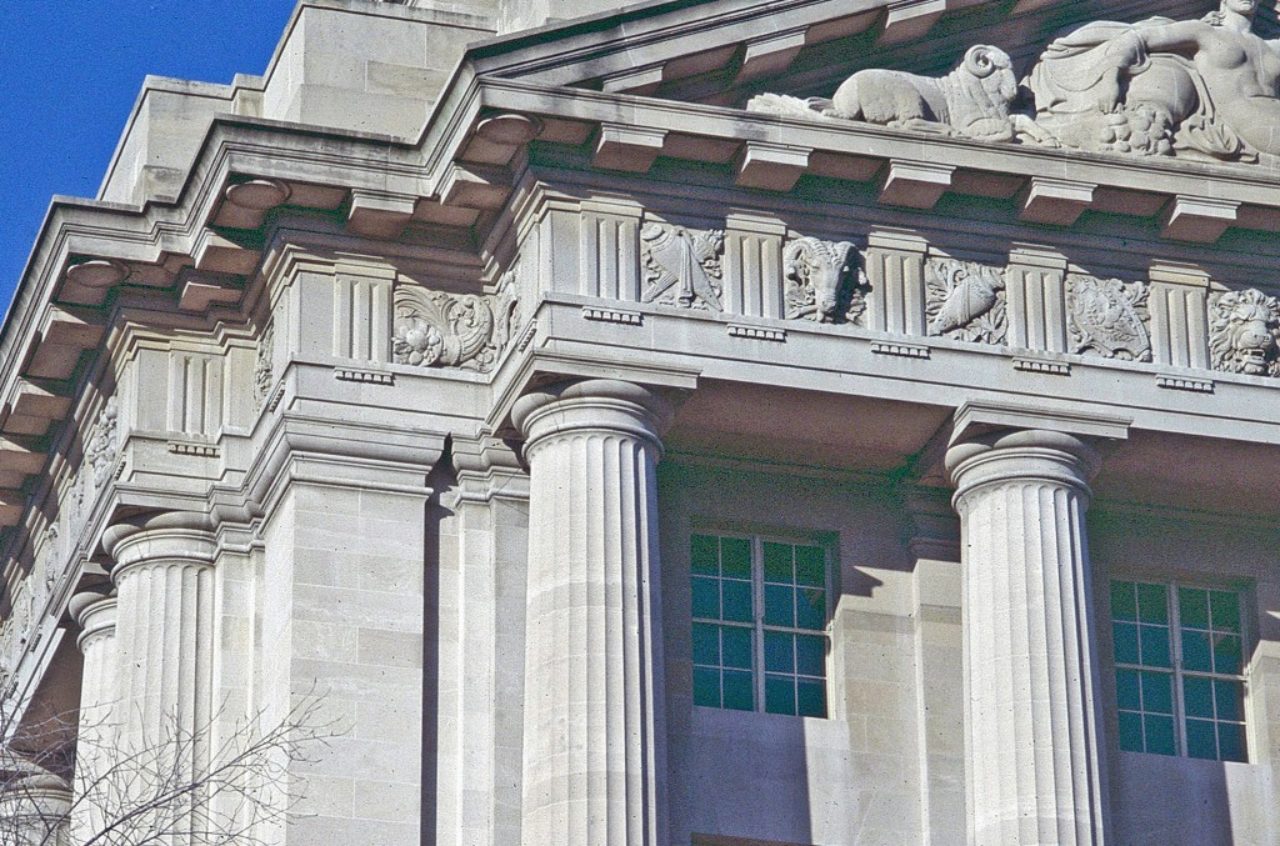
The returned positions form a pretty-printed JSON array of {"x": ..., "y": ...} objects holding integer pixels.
[
  {"x": 1179, "y": 670},
  {"x": 759, "y": 624}
]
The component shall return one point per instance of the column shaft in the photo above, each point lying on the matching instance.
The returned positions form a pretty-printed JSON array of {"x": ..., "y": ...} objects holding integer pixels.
[
  {"x": 1033, "y": 742},
  {"x": 594, "y": 741},
  {"x": 164, "y": 638},
  {"x": 96, "y": 735}
]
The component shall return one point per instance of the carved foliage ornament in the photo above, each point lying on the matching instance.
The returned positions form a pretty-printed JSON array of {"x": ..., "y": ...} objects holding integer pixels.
[
  {"x": 101, "y": 449},
  {"x": 1244, "y": 327},
  {"x": 1108, "y": 317},
  {"x": 263, "y": 372},
  {"x": 1204, "y": 89},
  {"x": 437, "y": 329},
  {"x": 825, "y": 281},
  {"x": 965, "y": 301},
  {"x": 681, "y": 266}
]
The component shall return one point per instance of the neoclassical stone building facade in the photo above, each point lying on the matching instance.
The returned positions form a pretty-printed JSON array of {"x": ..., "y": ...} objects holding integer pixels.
[{"x": 722, "y": 422}]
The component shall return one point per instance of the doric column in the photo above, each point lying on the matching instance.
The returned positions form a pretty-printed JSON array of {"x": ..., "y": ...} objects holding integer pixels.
[
  {"x": 95, "y": 741},
  {"x": 164, "y": 639},
  {"x": 34, "y": 805},
  {"x": 594, "y": 728},
  {"x": 1033, "y": 737}
]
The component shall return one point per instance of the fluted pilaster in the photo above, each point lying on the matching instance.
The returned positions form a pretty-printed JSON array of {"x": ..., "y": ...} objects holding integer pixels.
[
  {"x": 96, "y": 737},
  {"x": 594, "y": 728},
  {"x": 1033, "y": 741},
  {"x": 164, "y": 639}
]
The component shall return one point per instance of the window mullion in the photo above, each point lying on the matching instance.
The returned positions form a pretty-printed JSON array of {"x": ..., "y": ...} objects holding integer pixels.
[{"x": 1175, "y": 635}]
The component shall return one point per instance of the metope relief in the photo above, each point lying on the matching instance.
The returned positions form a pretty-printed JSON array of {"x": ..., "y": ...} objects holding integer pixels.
[
  {"x": 825, "y": 281},
  {"x": 1108, "y": 317},
  {"x": 263, "y": 372},
  {"x": 1244, "y": 327},
  {"x": 100, "y": 450},
  {"x": 682, "y": 267},
  {"x": 437, "y": 329},
  {"x": 965, "y": 300}
]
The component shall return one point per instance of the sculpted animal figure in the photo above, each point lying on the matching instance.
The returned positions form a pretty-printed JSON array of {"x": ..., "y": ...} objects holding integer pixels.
[
  {"x": 975, "y": 100},
  {"x": 1243, "y": 331},
  {"x": 820, "y": 277}
]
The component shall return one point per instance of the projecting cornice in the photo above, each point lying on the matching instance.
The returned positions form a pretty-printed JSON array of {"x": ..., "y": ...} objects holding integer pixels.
[{"x": 662, "y": 81}]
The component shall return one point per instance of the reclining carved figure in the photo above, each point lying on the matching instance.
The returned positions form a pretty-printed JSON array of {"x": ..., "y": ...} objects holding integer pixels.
[{"x": 975, "y": 100}]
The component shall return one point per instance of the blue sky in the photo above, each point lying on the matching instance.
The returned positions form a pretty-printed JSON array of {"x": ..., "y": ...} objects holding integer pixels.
[{"x": 72, "y": 70}]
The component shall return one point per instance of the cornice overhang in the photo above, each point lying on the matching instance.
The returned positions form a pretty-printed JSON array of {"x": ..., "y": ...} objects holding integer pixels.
[{"x": 203, "y": 245}]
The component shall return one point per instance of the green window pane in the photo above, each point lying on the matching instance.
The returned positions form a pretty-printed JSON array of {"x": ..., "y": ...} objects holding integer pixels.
[
  {"x": 737, "y": 600},
  {"x": 1159, "y": 734},
  {"x": 1153, "y": 604},
  {"x": 735, "y": 558},
  {"x": 811, "y": 698},
  {"x": 811, "y": 608},
  {"x": 1229, "y": 697},
  {"x": 1202, "y": 741},
  {"x": 1131, "y": 732},
  {"x": 1128, "y": 690},
  {"x": 811, "y": 566},
  {"x": 1124, "y": 604},
  {"x": 779, "y": 694},
  {"x": 1155, "y": 646},
  {"x": 706, "y": 687},
  {"x": 1226, "y": 654},
  {"x": 1231, "y": 742},
  {"x": 779, "y": 652},
  {"x": 1193, "y": 607},
  {"x": 777, "y": 563},
  {"x": 1197, "y": 694},
  {"x": 704, "y": 555},
  {"x": 1226, "y": 610},
  {"x": 779, "y": 606},
  {"x": 1125, "y": 636},
  {"x": 736, "y": 647},
  {"x": 738, "y": 691},
  {"x": 1196, "y": 655},
  {"x": 1157, "y": 693},
  {"x": 706, "y": 644},
  {"x": 811, "y": 657},
  {"x": 706, "y": 597}
]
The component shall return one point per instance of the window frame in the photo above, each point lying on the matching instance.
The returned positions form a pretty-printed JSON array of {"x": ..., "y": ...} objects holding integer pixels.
[
  {"x": 1178, "y": 672},
  {"x": 757, "y": 538}
]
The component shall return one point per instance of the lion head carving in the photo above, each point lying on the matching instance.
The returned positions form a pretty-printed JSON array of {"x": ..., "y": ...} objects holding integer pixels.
[{"x": 1243, "y": 331}]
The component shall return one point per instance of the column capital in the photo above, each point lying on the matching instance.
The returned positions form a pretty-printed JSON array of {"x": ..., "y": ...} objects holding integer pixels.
[
  {"x": 172, "y": 535},
  {"x": 1021, "y": 455},
  {"x": 95, "y": 611},
  {"x": 592, "y": 405}
]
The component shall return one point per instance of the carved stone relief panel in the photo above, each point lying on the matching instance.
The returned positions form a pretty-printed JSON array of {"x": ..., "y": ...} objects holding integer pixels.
[
  {"x": 965, "y": 301},
  {"x": 682, "y": 267},
  {"x": 263, "y": 371},
  {"x": 1244, "y": 327},
  {"x": 101, "y": 448},
  {"x": 438, "y": 329},
  {"x": 824, "y": 281},
  {"x": 1108, "y": 317}
]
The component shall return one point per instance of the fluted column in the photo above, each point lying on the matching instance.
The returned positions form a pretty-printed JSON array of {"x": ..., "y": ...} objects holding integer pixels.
[
  {"x": 34, "y": 805},
  {"x": 1035, "y": 757},
  {"x": 96, "y": 737},
  {"x": 594, "y": 729},
  {"x": 164, "y": 639}
]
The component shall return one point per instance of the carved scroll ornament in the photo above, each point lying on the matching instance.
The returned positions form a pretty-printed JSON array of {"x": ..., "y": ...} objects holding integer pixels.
[
  {"x": 965, "y": 300},
  {"x": 825, "y": 281},
  {"x": 1244, "y": 327},
  {"x": 435, "y": 329},
  {"x": 681, "y": 266},
  {"x": 1108, "y": 317}
]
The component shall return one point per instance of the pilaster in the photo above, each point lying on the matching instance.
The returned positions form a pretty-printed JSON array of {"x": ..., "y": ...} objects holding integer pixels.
[{"x": 594, "y": 721}]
